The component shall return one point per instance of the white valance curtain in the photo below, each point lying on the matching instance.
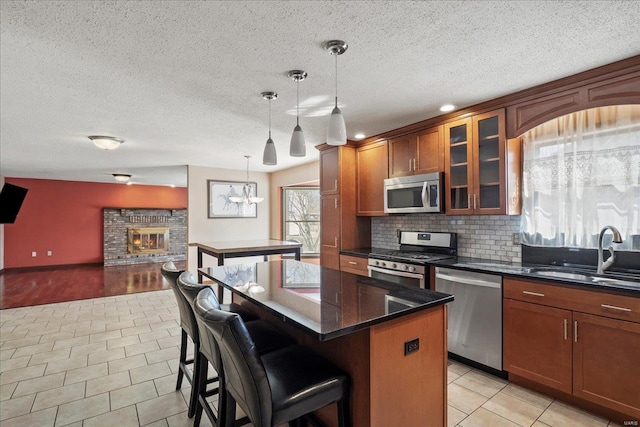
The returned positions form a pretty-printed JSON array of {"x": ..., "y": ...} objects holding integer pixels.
[{"x": 580, "y": 173}]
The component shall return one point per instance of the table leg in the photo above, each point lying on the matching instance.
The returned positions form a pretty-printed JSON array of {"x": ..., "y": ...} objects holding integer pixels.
[
  {"x": 220, "y": 287},
  {"x": 297, "y": 253},
  {"x": 199, "y": 265}
]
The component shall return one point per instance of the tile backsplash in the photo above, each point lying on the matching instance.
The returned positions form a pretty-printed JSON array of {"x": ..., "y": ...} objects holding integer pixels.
[{"x": 479, "y": 236}]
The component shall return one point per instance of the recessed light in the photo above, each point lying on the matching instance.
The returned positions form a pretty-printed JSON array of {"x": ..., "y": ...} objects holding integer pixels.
[
  {"x": 172, "y": 185},
  {"x": 129, "y": 183},
  {"x": 359, "y": 135},
  {"x": 447, "y": 107}
]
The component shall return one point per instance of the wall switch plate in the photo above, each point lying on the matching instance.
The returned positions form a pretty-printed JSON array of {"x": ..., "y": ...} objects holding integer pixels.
[
  {"x": 48, "y": 253},
  {"x": 516, "y": 238},
  {"x": 411, "y": 346},
  {"x": 33, "y": 254}
]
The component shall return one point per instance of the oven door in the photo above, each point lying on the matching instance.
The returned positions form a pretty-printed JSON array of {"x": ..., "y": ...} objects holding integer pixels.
[{"x": 417, "y": 280}]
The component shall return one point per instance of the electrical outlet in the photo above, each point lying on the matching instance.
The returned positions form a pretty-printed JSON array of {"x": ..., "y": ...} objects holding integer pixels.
[
  {"x": 516, "y": 238},
  {"x": 48, "y": 253},
  {"x": 411, "y": 346},
  {"x": 33, "y": 254}
]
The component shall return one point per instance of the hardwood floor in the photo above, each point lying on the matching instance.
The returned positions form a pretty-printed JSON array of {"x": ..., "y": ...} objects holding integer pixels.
[{"x": 70, "y": 283}]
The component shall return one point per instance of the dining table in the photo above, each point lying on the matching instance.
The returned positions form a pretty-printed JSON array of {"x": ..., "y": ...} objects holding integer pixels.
[{"x": 389, "y": 338}]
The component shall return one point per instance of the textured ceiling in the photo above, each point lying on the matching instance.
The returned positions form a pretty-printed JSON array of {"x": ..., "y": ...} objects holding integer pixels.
[{"x": 180, "y": 81}]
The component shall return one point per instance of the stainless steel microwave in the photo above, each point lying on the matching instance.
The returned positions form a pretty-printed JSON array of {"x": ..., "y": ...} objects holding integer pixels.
[{"x": 414, "y": 194}]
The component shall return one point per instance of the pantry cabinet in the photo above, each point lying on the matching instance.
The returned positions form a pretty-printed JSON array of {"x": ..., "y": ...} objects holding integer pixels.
[
  {"x": 482, "y": 168},
  {"x": 340, "y": 228},
  {"x": 580, "y": 342}
]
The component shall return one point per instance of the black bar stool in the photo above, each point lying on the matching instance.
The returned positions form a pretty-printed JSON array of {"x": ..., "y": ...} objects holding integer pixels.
[
  {"x": 274, "y": 388},
  {"x": 266, "y": 337}
]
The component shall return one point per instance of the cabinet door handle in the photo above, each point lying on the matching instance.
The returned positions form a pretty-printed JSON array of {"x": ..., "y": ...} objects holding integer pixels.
[
  {"x": 565, "y": 328},
  {"x": 335, "y": 203},
  {"x": 353, "y": 263},
  {"x": 535, "y": 294},
  {"x": 613, "y": 307},
  {"x": 414, "y": 164},
  {"x": 575, "y": 331},
  {"x": 410, "y": 165},
  {"x": 335, "y": 184},
  {"x": 335, "y": 240},
  {"x": 474, "y": 201}
]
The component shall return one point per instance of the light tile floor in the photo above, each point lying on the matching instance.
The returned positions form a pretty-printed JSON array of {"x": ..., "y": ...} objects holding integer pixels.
[{"x": 113, "y": 361}]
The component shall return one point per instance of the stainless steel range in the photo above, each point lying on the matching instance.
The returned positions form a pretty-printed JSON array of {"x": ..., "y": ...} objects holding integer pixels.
[{"x": 407, "y": 266}]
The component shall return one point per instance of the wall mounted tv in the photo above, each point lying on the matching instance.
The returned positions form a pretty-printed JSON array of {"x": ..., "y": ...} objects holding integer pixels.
[{"x": 11, "y": 198}]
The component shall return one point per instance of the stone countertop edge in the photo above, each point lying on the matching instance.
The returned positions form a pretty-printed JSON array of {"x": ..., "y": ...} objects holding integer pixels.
[{"x": 475, "y": 264}]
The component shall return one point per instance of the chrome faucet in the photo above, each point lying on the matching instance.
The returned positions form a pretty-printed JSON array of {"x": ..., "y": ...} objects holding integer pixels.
[{"x": 617, "y": 238}]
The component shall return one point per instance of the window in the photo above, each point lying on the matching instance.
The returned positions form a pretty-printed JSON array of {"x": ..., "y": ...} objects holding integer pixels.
[
  {"x": 582, "y": 172},
  {"x": 301, "y": 217}
]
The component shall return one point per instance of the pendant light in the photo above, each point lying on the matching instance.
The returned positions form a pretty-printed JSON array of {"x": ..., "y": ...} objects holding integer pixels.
[
  {"x": 269, "y": 157},
  {"x": 247, "y": 196},
  {"x": 337, "y": 131},
  {"x": 297, "y": 147}
]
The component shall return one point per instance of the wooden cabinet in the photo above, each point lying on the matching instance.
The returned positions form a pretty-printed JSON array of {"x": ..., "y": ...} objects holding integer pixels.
[
  {"x": 371, "y": 171},
  {"x": 576, "y": 341},
  {"x": 355, "y": 265},
  {"x": 416, "y": 153},
  {"x": 536, "y": 345},
  {"x": 340, "y": 228},
  {"x": 482, "y": 167}
]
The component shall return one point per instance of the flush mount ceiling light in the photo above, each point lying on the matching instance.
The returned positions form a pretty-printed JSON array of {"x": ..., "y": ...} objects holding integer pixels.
[
  {"x": 359, "y": 136},
  {"x": 297, "y": 147},
  {"x": 121, "y": 177},
  {"x": 337, "y": 131},
  {"x": 269, "y": 157},
  {"x": 106, "y": 142},
  {"x": 247, "y": 190},
  {"x": 447, "y": 107}
]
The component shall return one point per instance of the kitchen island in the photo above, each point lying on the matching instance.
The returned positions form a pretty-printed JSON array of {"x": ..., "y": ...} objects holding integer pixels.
[{"x": 389, "y": 338}]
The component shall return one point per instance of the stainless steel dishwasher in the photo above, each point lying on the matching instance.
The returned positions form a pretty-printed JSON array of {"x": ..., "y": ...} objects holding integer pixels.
[{"x": 475, "y": 316}]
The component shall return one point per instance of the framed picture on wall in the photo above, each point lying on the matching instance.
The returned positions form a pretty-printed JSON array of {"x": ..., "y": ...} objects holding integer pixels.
[{"x": 220, "y": 199}]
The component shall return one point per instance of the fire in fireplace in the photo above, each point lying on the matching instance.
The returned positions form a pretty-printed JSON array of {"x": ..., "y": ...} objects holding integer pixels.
[{"x": 154, "y": 240}]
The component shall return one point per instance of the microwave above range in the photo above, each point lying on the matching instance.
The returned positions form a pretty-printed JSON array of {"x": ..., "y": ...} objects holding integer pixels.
[{"x": 414, "y": 194}]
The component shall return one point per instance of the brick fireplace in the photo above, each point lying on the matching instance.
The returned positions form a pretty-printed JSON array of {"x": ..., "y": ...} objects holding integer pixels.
[{"x": 136, "y": 236}]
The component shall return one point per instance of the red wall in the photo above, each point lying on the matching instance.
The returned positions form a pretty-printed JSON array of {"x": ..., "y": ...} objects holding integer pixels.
[{"x": 65, "y": 217}]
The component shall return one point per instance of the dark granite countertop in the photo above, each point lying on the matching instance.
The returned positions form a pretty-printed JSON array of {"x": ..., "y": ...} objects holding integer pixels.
[
  {"x": 627, "y": 283},
  {"x": 323, "y": 302}
]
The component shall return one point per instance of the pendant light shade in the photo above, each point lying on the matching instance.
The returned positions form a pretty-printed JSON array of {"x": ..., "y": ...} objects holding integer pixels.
[
  {"x": 247, "y": 190},
  {"x": 337, "y": 131},
  {"x": 269, "y": 157},
  {"x": 297, "y": 147}
]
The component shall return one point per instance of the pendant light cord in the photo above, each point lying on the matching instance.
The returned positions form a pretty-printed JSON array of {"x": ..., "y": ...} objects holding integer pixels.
[
  {"x": 336, "y": 55},
  {"x": 269, "y": 118},
  {"x": 297, "y": 102}
]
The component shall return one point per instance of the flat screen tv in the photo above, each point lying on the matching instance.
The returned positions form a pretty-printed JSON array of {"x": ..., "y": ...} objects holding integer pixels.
[{"x": 11, "y": 198}]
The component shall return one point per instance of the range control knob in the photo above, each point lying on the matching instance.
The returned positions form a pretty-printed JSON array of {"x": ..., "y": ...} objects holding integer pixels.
[
  {"x": 405, "y": 267},
  {"x": 394, "y": 265},
  {"x": 382, "y": 264},
  {"x": 412, "y": 269},
  {"x": 377, "y": 263}
]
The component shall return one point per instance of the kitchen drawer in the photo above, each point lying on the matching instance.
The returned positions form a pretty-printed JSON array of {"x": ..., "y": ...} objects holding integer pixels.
[
  {"x": 354, "y": 264},
  {"x": 600, "y": 303}
]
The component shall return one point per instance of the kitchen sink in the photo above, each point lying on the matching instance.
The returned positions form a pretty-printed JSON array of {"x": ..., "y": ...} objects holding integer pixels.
[
  {"x": 563, "y": 275},
  {"x": 584, "y": 276}
]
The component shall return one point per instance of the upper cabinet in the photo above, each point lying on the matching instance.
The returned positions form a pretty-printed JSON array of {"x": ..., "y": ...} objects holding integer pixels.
[
  {"x": 371, "y": 171},
  {"x": 416, "y": 153},
  {"x": 329, "y": 171},
  {"x": 482, "y": 167}
]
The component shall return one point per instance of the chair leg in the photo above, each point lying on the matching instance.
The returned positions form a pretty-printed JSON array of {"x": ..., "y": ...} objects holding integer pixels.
[
  {"x": 222, "y": 399},
  {"x": 183, "y": 358},
  {"x": 200, "y": 388},
  {"x": 199, "y": 366},
  {"x": 229, "y": 410},
  {"x": 344, "y": 417}
]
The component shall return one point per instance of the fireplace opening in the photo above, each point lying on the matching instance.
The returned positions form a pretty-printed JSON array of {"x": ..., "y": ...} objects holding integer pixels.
[{"x": 153, "y": 240}]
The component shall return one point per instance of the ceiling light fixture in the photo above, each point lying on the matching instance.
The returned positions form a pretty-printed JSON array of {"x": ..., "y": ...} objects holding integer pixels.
[
  {"x": 247, "y": 190},
  {"x": 269, "y": 157},
  {"x": 106, "y": 142},
  {"x": 121, "y": 177},
  {"x": 297, "y": 147},
  {"x": 447, "y": 107},
  {"x": 359, "y": 136},
  {"x": 337, "y": 131}
]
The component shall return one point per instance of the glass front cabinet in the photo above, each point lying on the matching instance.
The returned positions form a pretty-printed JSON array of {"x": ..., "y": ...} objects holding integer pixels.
[{"x": 476, "y": 155}]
